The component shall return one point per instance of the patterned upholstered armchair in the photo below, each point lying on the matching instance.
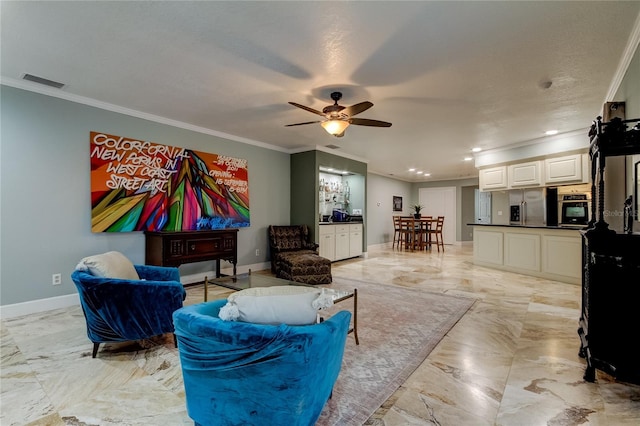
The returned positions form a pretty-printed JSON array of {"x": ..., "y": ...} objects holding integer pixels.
[{"x": 294, "y": 257}]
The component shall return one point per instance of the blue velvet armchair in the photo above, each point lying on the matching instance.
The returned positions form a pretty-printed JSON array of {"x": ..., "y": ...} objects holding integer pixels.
[
  {"x": 118, "y": 310},
  {"x": 238, "y": 373}
]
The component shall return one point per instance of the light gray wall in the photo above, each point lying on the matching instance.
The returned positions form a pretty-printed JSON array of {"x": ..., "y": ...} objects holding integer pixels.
[
  {"x": 468, "y": 212},
  {"x": 45, "y": 205},
  {"x": 630, "y": 91},
  {"x": 379, "y": 208},
  {"x": 500, "y": 210},
  {"x": 618, "y": 170},
  {"x": 357, "y": 190}
]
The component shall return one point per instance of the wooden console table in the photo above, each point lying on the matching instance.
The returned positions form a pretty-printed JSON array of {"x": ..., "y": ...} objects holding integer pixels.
[{"x": 176, "y": 248}]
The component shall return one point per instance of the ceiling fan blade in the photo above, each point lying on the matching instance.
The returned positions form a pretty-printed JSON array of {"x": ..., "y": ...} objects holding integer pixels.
[
  {"x": 357, "y": 108},
  {"x": 300, "y": 124},
  {"x": 306, "y": 108},
  {"x": 367, "y": 122}
]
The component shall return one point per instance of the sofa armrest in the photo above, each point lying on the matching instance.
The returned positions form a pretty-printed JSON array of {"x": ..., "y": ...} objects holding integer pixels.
[
  {"x": 160, "y": 275},
  {"x": 157, "y": 273},
  {"x": 310, "y": 245}
]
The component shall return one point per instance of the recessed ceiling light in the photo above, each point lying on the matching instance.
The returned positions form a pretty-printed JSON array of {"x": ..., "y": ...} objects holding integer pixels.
[
  {"x": 427, "y": 174},
  {"x": 476, "y": 149},
  {"x": 412, "y": 170},
  {"x": 419, "y": 172},
  {"x": 468, "y": 158},
  {"x": 551, "y": 132}
]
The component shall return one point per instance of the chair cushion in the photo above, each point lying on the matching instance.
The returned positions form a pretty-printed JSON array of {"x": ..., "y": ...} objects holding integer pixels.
[
  {"x": 112, "y": 264},
  {"x": 303, "y": 257},
  {"x": 291, "y": 305},
  {"x": 287, "y": 238}
]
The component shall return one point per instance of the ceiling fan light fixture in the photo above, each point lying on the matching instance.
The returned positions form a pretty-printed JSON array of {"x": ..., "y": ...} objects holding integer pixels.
[{"x": 335, "y": 127}]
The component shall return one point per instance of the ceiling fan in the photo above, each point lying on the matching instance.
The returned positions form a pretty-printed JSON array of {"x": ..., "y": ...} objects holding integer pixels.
[{"x": 338, "y": 117}]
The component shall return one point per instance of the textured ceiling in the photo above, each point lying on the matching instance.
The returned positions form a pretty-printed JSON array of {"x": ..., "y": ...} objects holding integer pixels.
[{"x": 449, "y": 75}]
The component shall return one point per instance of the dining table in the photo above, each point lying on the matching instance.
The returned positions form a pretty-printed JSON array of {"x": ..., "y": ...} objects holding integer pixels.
[{"x": 415, "y": 232}]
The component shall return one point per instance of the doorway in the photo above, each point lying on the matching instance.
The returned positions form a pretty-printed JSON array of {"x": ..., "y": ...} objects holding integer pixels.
[
  {"x": 483, "y": 207},
  {"x": 441, "y": 202}
]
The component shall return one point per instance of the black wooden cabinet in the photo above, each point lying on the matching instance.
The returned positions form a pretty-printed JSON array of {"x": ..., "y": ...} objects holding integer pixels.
[
  {"x": 610, "y": 269},
  {"x": 610, "y": 299}
]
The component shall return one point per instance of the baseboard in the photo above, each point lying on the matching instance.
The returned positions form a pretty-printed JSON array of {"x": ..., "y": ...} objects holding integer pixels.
[
  {"x": 384, "y": 245},
  {"x": 42, "y": 305},
  {"x": 389, "y": 244},
  {"x": 36, "y": 306}
]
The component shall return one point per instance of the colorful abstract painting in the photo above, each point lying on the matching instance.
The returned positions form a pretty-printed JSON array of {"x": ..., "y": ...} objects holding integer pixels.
[{"x": 139, "y": 186}]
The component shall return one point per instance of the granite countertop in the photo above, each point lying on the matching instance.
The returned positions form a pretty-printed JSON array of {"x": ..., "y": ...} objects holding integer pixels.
[
  {"x": 340, "y": 223},
  {"x": 568, "y": 228}
]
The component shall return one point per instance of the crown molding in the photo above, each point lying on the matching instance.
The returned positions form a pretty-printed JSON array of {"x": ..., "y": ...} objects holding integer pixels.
[
  {"x": 61, "y": 94},
  {"x": 632, "y": 45},
  {"x": 328, "y": 151}
]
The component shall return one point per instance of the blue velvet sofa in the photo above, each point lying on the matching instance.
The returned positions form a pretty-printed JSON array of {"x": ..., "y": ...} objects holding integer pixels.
[
  {"x": 118, "y": 310},
  {"x": 238, "y": 373}
]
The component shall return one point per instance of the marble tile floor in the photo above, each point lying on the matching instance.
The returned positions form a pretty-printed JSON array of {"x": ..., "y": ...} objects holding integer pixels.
[{"x": 511, "y": 360}]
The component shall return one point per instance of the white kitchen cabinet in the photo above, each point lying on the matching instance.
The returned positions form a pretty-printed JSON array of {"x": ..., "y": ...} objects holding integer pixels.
[
  {"x": 563, "y": 170},
  {"x": 523, "y": 175},
  {"x": 355, "y": 240},
  {"x": 493, "y": 178},
  {"x": 566, "y": 169},
  {"x": 488, "y": 246},
  {"x": 327, "y": 242},
  {"x": 562, "y": 256},
  {"x": 522, "y": 251},
  {"x": 342, "y": 241}
]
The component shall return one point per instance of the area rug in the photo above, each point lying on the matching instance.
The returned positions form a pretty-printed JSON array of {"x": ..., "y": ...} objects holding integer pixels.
[{"x": 397, "y": 329}]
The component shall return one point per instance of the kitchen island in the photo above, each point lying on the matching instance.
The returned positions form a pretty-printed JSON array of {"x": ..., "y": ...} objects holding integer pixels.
[{"x": 549, "y": 252}]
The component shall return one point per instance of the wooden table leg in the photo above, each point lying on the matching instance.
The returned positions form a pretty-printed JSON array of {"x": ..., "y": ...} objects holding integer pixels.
[{"x": 355, "y": 315}]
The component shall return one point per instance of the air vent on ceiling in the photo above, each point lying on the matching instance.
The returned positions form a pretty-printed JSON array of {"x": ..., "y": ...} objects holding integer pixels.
[
  {"x": 333, "y": 146},
  {"x": 44, "y": 81}
]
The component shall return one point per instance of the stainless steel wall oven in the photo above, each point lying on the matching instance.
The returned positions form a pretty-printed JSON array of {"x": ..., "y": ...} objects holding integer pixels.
[{"x": 573, "y": 209}]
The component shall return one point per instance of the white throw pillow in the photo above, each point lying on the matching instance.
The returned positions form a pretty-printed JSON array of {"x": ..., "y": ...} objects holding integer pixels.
[
  {"x": 112, "y": 264},
  {"x": 292, "y": 305}
]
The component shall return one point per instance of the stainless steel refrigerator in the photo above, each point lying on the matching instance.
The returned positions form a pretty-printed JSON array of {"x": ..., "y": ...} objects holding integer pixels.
[{"x": 527, "y": 207}]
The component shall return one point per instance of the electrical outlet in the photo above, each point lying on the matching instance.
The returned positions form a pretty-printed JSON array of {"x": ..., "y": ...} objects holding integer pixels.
[
  {"x": 56, "y": 279},
  {"x": 257, "y": 252}
]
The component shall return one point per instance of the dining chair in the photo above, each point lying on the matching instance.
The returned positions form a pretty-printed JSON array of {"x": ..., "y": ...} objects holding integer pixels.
[
  {"x": 396, "y": 231},
  {"x": 407, "y": 231},
  {"x": 428, "y": 224},
  {"x": 435, "y": 233},
  {"x": 422, "y": 227},
  {"x": 414, "y": 233}
]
